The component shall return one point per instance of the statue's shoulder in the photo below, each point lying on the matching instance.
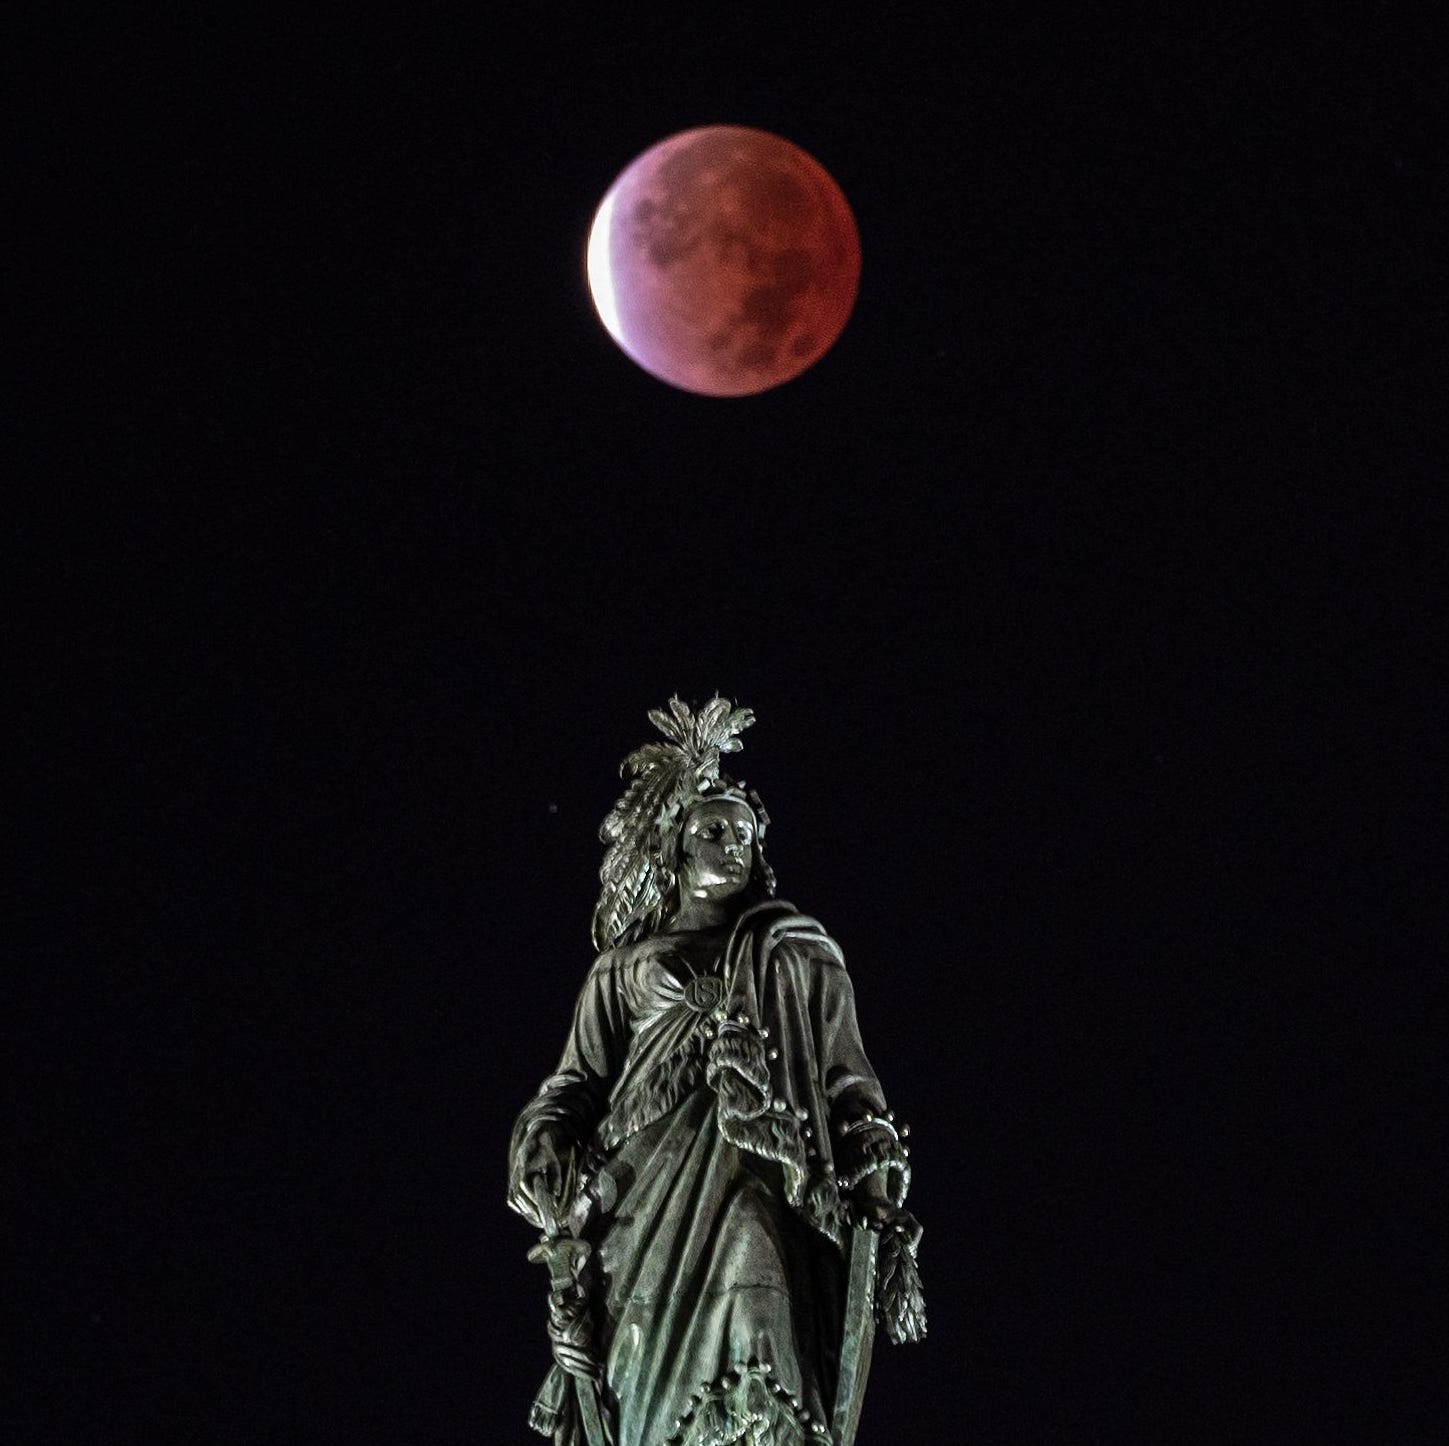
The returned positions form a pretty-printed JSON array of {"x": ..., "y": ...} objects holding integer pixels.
[
  {"x": 624, "y": 958},
  {"x": 798, "y": 939}
]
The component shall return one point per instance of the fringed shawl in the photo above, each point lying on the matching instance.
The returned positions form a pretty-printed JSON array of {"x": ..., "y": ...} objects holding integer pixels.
[{"x": 780, "y": 1048}]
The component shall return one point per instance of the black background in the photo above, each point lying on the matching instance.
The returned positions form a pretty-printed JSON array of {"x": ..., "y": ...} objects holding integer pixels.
[{"x": 1073, "y": 590}]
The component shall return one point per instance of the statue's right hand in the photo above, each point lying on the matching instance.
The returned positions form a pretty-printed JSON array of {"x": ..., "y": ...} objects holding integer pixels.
[{"x": 540, "y": 1169}]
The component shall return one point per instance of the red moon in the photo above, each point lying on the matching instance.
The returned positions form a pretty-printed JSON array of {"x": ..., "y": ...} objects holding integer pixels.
[{"x": 724, "y": 260}]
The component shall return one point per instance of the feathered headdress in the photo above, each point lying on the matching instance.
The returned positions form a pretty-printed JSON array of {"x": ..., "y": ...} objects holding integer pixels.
[{"x": 638, "y": 872}]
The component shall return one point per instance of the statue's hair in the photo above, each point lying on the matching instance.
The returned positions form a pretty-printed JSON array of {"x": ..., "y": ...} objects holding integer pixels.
[{"x": 640, "y": 872}]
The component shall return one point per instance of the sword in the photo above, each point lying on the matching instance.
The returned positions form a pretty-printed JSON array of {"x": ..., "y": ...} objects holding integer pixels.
[
  {"x": 567, "y": 1257},
  {"x": 855, "y": 1349}
]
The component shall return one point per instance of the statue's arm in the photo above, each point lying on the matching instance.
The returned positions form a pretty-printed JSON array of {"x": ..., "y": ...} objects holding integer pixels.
[
  {"x": 871, "y": 1156},
  {"x": 872, "y": 1162},
  {"x": 560, "y": 1118}
]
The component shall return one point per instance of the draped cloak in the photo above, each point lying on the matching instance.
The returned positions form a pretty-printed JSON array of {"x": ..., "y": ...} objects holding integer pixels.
[{"x": 719, "y": 1114}]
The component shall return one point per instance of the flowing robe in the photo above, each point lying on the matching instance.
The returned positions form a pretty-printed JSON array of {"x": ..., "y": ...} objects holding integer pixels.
[{"x": 720, "y": 1116}]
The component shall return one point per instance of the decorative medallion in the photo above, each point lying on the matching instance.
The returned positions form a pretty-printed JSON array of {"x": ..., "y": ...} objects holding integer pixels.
[{"x": 705, "y": 992}]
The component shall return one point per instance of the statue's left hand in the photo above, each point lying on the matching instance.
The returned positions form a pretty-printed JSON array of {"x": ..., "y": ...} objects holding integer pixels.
[
  {"x": 875, "y": 1213},
  {"x": 872, "y": 1207}
]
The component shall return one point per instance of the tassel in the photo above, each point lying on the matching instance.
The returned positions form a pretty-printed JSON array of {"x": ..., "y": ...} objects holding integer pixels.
[{"x": 554, "y": 1406}]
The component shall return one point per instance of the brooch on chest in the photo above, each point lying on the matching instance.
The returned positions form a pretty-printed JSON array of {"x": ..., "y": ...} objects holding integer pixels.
[{"x": 705, "y": 993}]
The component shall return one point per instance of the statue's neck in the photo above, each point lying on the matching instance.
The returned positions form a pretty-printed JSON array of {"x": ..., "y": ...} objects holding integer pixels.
[{"x": 697, "y": 915}]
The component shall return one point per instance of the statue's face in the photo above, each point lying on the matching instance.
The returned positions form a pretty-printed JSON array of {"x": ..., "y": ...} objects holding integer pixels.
[{"x": 717, "y": 849}]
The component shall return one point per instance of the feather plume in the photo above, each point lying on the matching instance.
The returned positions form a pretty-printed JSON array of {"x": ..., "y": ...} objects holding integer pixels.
[
  {"x": 667, "y": 725},
  {"x": 707, "y": 720},
  {"x": 651, "y": 755}
]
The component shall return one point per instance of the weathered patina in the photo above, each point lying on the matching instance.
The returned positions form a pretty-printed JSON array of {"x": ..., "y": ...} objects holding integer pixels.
[{"x": 718, "y": 1180}]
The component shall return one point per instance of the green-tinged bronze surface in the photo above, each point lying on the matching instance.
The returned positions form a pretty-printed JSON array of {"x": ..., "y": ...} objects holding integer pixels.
[
  {"x": 859, "y": 1338},
  {"x": 717, "y": 1178}
]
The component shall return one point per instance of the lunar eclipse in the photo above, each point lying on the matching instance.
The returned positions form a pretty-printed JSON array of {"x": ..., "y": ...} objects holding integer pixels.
[{"x": 724, "y": 260}]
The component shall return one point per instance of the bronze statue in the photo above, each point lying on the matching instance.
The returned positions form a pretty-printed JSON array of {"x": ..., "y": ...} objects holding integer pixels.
[{"x": 719, "y": 1183}]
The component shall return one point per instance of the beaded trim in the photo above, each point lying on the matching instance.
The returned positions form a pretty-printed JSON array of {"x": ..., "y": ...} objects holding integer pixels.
[
  {"x": 745, "y": 1406},
  {"x": 879, "y": 1147}
]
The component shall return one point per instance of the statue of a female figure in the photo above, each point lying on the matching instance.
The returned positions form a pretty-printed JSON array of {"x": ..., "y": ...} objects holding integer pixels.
[{"x": 713, "y": 1139}]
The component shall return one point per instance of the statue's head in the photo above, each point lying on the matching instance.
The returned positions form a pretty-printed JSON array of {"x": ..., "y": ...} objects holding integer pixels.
[
  {"x": 716, "y": 848},
  {"x": 682, "y": 830},
  {"x": 717, "y": 852}
]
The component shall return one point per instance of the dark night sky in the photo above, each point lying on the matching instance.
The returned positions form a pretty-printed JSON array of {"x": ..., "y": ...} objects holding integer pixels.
[{"x": 1074, "y": 591}]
